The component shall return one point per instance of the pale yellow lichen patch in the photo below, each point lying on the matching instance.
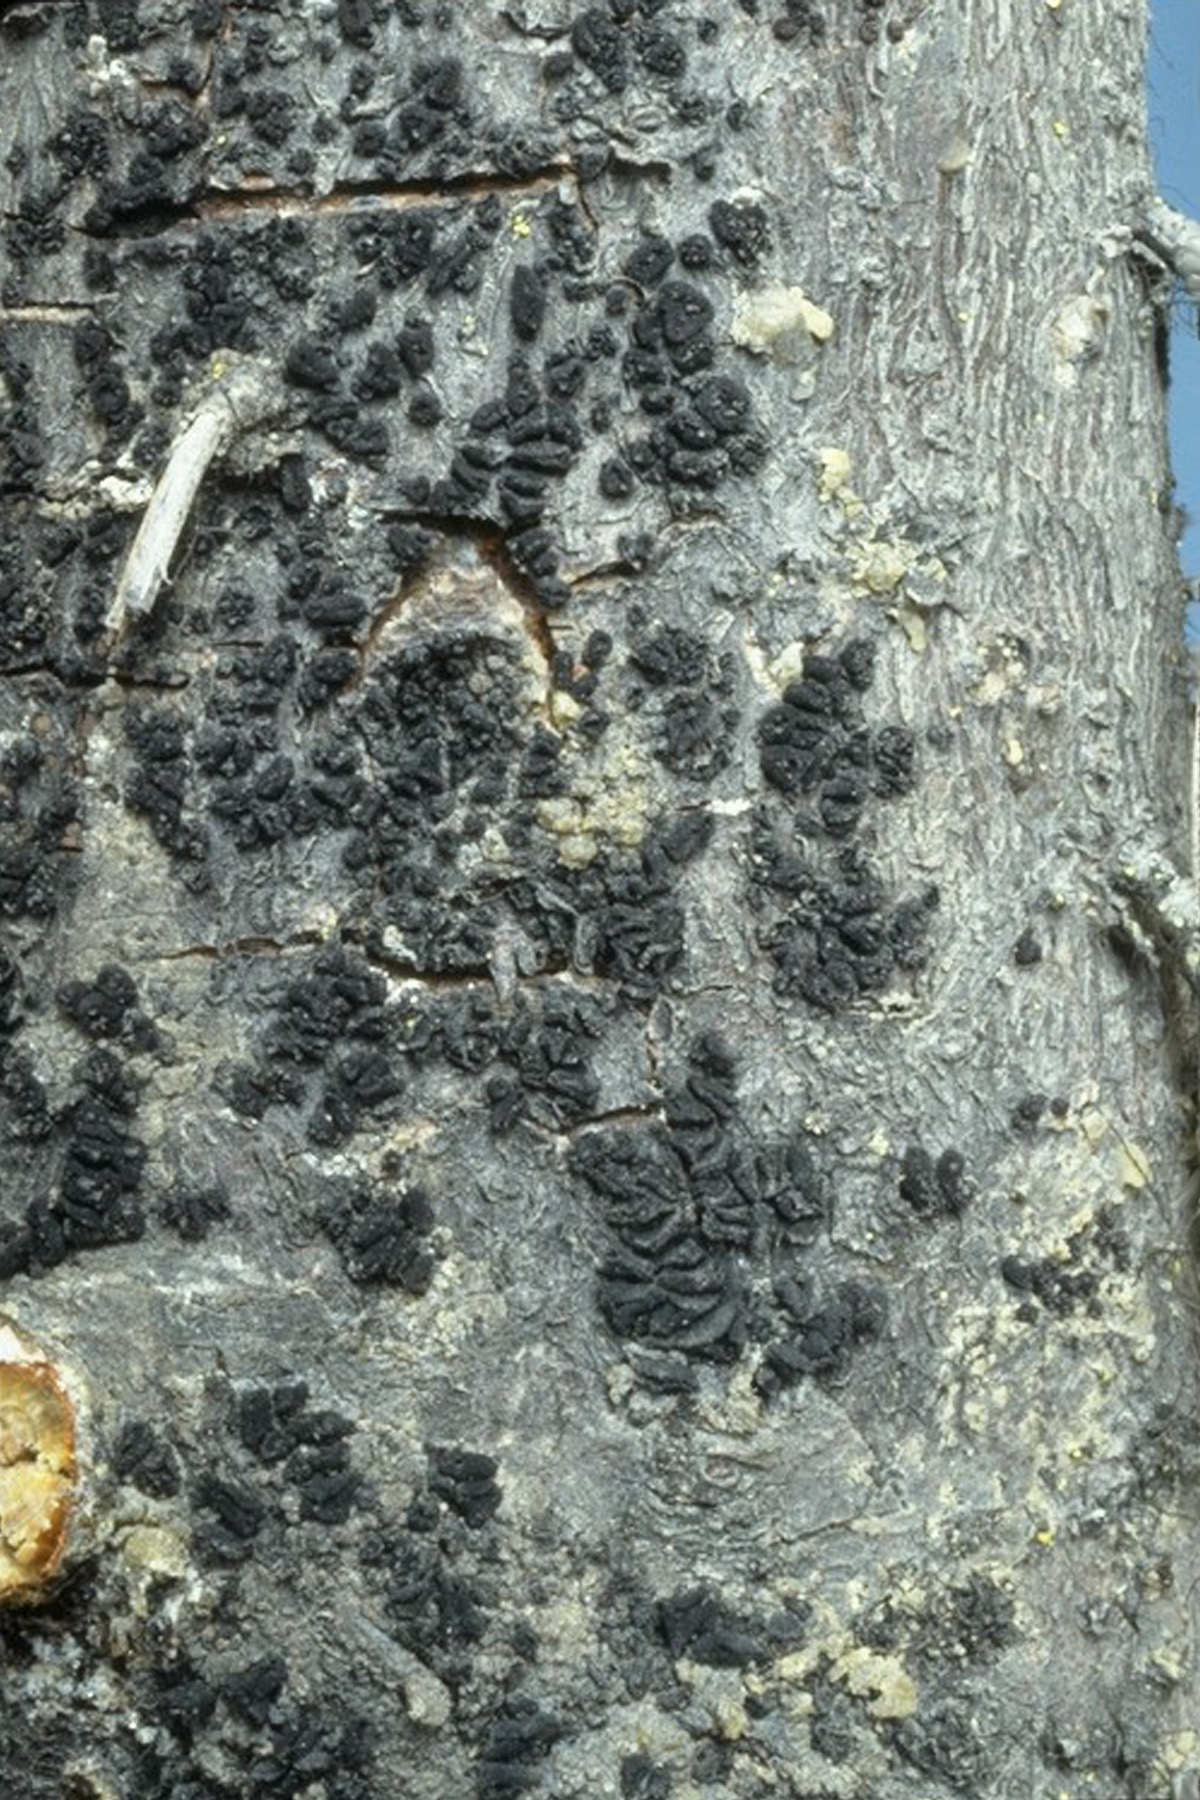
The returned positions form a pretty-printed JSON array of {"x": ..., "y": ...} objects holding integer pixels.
[
  {"x": 729, "y": 1717},
  {"x": 37, "y": 1472},
  {"x": 836, "y": 468},
  {"x": 493, "y": 848},
  {"x": 764, "y": 321},
  {"x": 793, "y": 1667},
  {"x": 877, "y": 559},
  {"x": 153, "y": 1550},
  {"x": 880, "y": 564},
  {"x": 1093, "y": 1125},
  {"x": 774, "y": 673},
  {"x": 1005, "y": 673},
  {"x": 1179, "y": 1752},
  {"x": 871, "y": 1675},
  {"x": 607, "y": 803},
  {"x": 1169, "y": 1664},
  {"x": 426, "y": 1698},
  {"x": 912, "y": 623},
  {"x": 787, "y": 666},
  {"x": 883, "y": 1681},
  {"x": 619, "y": 1382},
  {"x": 564, "y": 709},
  {"x": 740, "y": 1409},
  {"x": 1133, "y": 1165},
  {"x": 721, "y": 1693}
]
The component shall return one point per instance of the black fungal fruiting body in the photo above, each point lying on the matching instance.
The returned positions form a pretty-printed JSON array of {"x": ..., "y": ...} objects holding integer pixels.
[
  {"x": 233, "y": 1517},
  {"x": 662, "y": 1283},
  {"x": 512, "y": 1747},
  {"x": 693, "y": 1210},
  {"x": 933, "y": 1189},
  {"x": 158, "y": 786},
  {"x": 329, "y": 1022},
  {"x": 740, "y": 227},
  {"x": 91, "y": 1163},
  {"x": 381, "y": 1237},
  {"x": 840, "y": 938},
  {"x": 145, "y": 1460},
  {"x": 39, "y": 811},
  {"x": 433, "y": 1602},
  {"x": 465, "y": 1480},
  {"x": 815, "y": 740},
  {"x": 1061, "y": 1284},
  {"x": 107, "y": 1008},
  {"x": 694, "y": 1622},
  {"x": 1060, "y": 1290},
  {"x": 276, "y": 1430},
  {"x": 696, "y": 719},
  {"x": 822, "y": 1340}
]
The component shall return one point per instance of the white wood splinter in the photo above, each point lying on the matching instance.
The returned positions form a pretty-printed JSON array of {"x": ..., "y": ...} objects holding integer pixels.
[{"x": 245, "y": 394}]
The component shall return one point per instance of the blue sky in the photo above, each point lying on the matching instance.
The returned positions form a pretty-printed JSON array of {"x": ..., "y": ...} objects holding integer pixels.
[{"x": 1175, "y": 134}]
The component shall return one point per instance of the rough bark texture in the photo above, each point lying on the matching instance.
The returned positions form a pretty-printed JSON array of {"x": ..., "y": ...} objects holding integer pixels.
[{"x": 584, "y": 1127}]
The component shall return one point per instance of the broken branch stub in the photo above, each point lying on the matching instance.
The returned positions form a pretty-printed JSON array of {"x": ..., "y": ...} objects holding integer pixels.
[{"x": 37, "y": 1470}]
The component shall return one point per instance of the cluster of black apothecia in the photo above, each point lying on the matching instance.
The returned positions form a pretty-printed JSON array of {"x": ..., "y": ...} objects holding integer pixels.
[
  {"x": 274, "y": 1476},
  {"x": 230, "y": 767},
  {"x": 707, "y": 1227},
  {"x": 276, "y": 749},
  {"x": 226, "y": 767},
  {"x": 331, "y": 1035},
  {"x": 707, "y": 1231},
  {"x": 835, "y": 935},
  {"x": 84, "y": 1159}
]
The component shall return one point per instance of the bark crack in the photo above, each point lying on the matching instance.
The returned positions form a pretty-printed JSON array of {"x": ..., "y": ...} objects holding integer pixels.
[
  {"x": 615, "y": 1115},
  {"x": 272, "y": 200},
  {"x": 245, "y": 946},
  {"x": 483, "y": 974}
]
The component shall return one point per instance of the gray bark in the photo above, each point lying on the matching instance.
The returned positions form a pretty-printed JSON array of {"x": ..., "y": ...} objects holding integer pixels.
[{"x": 727, "y": 1083}]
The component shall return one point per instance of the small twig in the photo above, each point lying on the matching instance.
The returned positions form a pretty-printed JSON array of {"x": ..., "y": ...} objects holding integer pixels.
[
  {"x": 1169, "y": 904},
  {"x": 245, "y": 394},
  {"x": 1176, "y": 238}
]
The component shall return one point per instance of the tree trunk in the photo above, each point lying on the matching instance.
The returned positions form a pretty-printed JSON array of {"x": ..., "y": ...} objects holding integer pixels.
[{"x": 595, "y": 1144}]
